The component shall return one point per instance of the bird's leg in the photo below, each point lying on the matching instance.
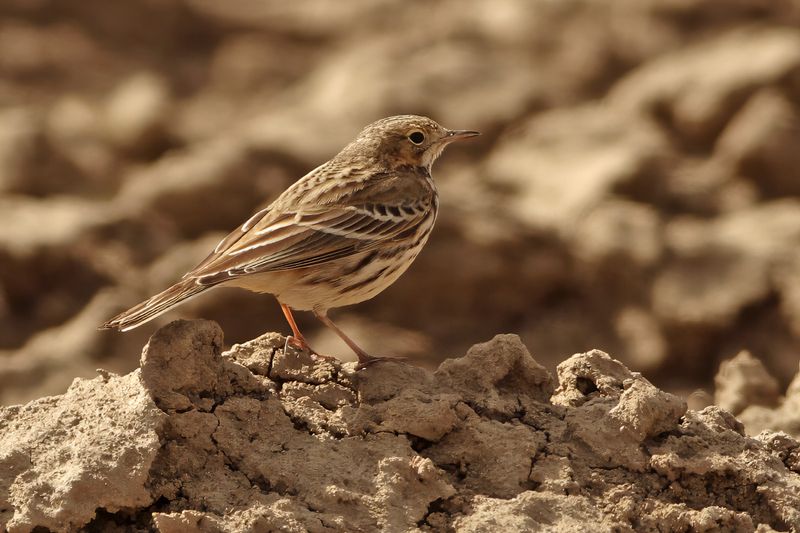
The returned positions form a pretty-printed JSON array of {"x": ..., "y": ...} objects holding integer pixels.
[
  {"x": 364, "y": 359},
  {"x": 297, "y": 339}
]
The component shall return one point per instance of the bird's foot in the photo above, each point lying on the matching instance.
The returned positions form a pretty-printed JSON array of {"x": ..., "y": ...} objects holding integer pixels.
[
  {"x": 300, "y": 343},
  {"x": 366, "y": 360}
]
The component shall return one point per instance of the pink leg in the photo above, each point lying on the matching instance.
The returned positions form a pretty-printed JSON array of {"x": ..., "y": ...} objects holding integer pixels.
[
  {"x": 297, "y": 339},
  {"x": 364, "y": 359}
]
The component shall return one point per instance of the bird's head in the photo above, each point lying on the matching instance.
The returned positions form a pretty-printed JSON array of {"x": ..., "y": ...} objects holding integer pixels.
[{"x": 405, "y": 140}]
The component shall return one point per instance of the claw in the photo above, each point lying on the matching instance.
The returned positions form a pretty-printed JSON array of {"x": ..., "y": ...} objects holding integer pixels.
[
  {"x": 365, "y": 360},
  {"x": 300, "y": 343}
]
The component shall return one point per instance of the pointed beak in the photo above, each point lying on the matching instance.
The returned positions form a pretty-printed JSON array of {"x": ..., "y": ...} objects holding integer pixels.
[{"x": 457, "y": 135}]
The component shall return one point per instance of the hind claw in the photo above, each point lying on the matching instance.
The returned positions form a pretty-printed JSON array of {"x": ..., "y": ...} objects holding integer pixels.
[{"x": 365, "y": 360}]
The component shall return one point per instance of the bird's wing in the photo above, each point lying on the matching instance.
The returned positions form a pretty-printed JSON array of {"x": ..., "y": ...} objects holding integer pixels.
[
  {"x": 295, "y": 232},
  {"x": 227, "y": 242}
]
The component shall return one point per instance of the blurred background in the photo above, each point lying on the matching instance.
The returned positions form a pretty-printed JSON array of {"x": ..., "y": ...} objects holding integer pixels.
[{"x": 636, "y": 188}]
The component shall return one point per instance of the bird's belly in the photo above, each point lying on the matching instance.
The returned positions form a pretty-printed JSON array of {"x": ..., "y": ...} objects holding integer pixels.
[
  {"x": 369, "y": 281},
  {"x": 335, "y": 284}
]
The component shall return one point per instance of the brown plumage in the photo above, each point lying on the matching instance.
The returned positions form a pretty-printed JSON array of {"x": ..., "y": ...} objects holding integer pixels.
[{"x": 338, "y": 236}]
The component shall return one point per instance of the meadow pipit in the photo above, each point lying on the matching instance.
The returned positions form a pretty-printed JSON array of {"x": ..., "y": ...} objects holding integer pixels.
[{"x": 340, "y": 235}]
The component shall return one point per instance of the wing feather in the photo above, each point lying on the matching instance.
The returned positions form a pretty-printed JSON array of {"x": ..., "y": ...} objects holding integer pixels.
[
  {"x": 285, "y": 236},
  {"x": 308, "y": 245}
]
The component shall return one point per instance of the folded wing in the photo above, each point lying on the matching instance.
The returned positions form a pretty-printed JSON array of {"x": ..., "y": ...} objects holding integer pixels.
[{"x": 311, "y": 235}]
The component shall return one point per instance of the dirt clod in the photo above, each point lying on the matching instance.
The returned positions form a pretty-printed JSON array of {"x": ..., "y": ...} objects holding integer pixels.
[{"x": 200, "y": 440}]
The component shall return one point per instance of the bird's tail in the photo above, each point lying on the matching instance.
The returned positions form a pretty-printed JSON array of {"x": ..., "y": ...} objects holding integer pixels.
[{"x": 154, "y": 306}]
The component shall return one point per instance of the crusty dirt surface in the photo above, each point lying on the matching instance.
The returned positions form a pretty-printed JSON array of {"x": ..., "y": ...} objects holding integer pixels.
[
  {"x": 259, "y": 439},
  {"x": 636, "y": 187},
  {"x": 745, "y": 388}
]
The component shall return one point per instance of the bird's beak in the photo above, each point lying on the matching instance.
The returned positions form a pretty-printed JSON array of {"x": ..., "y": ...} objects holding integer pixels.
[{"x": 457, "y": 135}]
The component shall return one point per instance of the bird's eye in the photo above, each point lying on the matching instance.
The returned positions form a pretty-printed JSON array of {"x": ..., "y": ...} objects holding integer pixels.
[{"x": 416, "y": 137}]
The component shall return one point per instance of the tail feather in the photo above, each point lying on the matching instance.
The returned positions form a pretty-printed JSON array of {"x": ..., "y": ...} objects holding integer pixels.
[{"x": 154, "y": 306}]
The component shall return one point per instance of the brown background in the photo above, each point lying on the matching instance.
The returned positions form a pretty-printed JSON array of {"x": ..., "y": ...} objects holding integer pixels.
[{"x": 635, "y": 190}]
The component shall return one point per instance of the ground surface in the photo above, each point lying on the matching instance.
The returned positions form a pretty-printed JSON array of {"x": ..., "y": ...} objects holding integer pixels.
[{"x": 258, "y": 439}]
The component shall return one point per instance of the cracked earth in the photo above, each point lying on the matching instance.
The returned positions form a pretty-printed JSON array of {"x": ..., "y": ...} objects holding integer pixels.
[{"x": 258, "y": 438}]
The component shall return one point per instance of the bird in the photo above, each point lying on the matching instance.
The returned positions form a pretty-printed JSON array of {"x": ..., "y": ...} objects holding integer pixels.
[{"x": 338, "y": 236}]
